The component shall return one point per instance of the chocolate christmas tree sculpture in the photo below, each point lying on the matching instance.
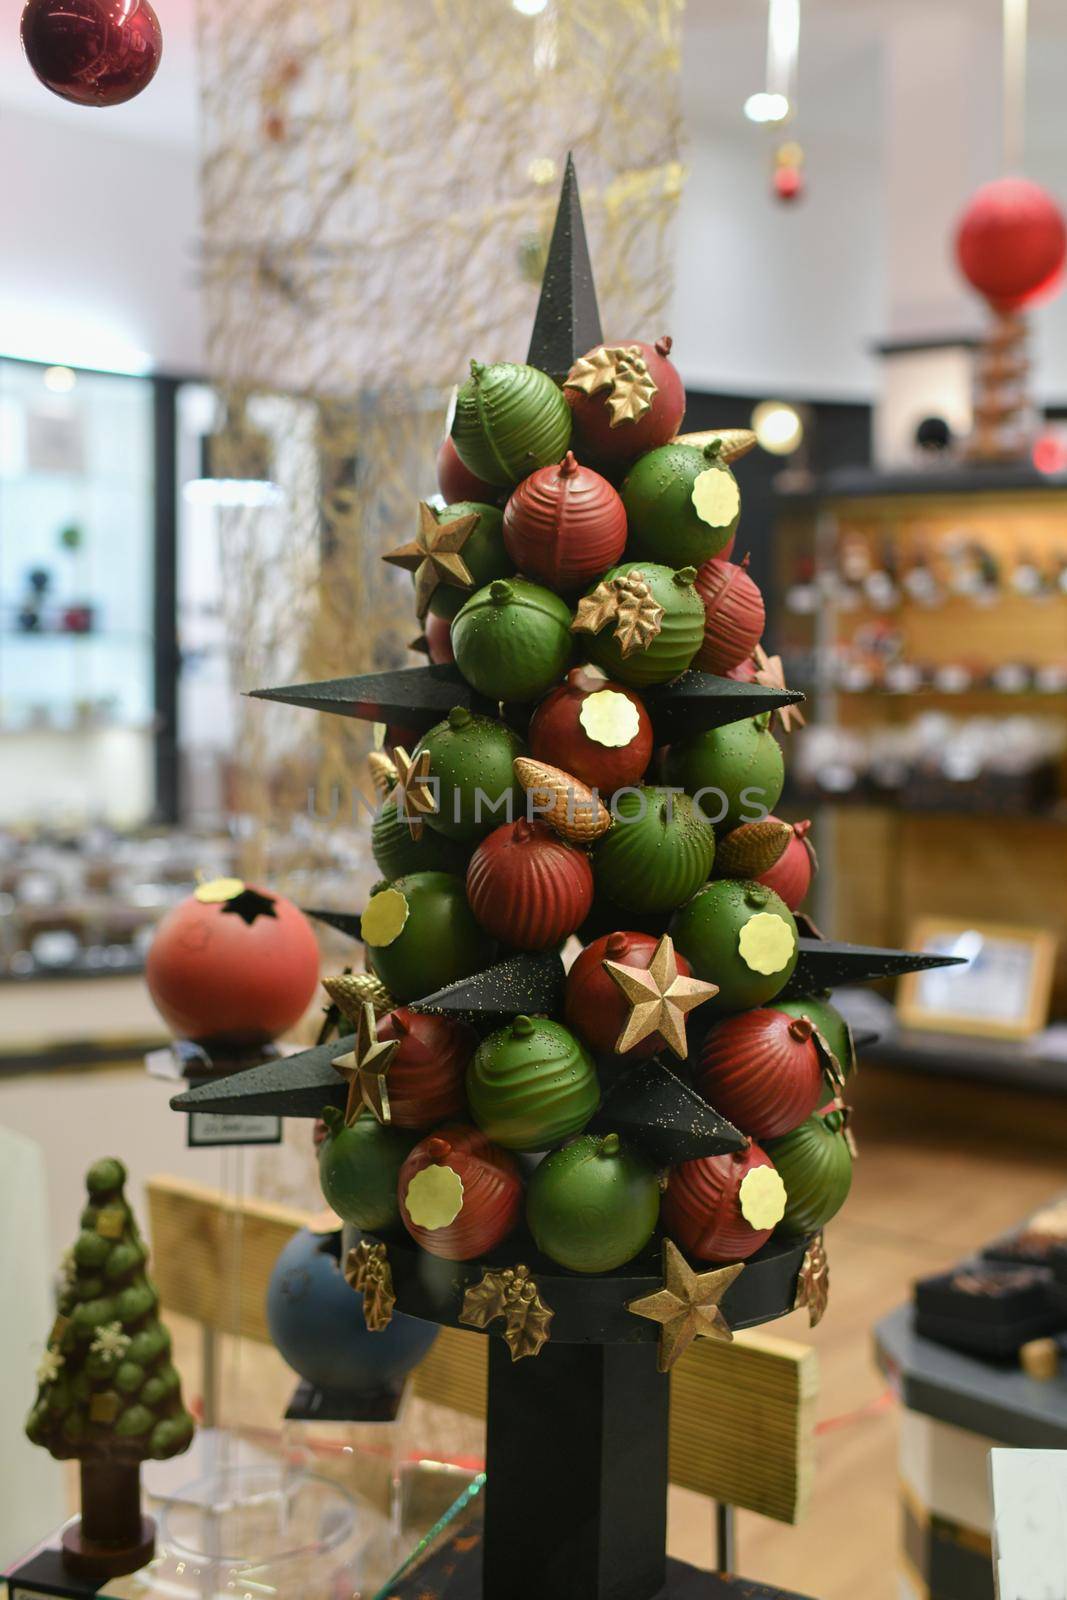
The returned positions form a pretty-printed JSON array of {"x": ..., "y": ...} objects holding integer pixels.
[
  {"x": 108, "y": 1395},
  {"x": 578, "y": 1186}
]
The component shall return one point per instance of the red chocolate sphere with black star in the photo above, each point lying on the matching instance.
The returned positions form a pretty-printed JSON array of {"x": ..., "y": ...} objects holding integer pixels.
[
  {"x": 598, "y": 731},
  {"x": 564, "y": 525},
  {"x": 425, "y": 1077},
  {"x": 459, "y": 1194},
  {"x": 723, "y": 1208},
  {"x": 527, "y": 887},
  {"x": 626, "y": 399},
  {"x": 594, "y": 1005}
]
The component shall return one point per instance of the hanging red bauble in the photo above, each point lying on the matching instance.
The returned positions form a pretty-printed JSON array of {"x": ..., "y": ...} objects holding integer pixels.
[
  {"x": 565, "y": 525},
  {"x": 459, "y": 1194},
  {"x": 596, "y": 730},
  {"x": 527, "y": 887},
  {"x": 232, "y": 965},
  {"x": 721, "y": 1208},
  {"x": 1011, "y": 242},
  {"x": 94, "y": 52},
  {"x": 425, "y": 1078},
  {"x": 594, "y": 1005},
  {"x": 438, "y": 631},
  {"x": 762, "y": 1071},
  {"x": 626, "y": 399},
  {"x": 788, "y": 183},
  {"x": 457, "y": 482},
  {"x": 791, "y": 875},
  {"x": 733, "y": 607}
]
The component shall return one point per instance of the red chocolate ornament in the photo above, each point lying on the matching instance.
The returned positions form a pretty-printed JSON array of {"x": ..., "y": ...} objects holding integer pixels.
[
  {"x": 232, "y": 964},
  {"x": 734, "y": 611},
  {"x": 94, "y": 52},
  {"x": 469, "y": 1200},
  {"x": 702, "y": 1209},
  {"x": 788, "y": 183},
  {"x": 607, "y": 745},
  {"x": 1011, "y": 242},
  {"x": 457, "y": 482},
  {"x": 626, "y": 399},
  {"x": 791, "y": 875},
  {"x": 438, "y": 631},
  {"x": 527, "y": 887},
  {"x": 425, "y": 1078},
  {"x": 564, "y": 525},
  {"x": 762, "y": 1071},
  {"x": 594, "y": 1005}
]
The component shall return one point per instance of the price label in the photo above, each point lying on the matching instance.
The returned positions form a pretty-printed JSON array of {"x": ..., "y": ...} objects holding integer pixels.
[{"x": 207, "y": 1129}]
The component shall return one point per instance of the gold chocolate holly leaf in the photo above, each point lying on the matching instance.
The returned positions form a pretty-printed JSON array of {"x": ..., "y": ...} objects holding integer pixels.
[
  {"x": 367, "y": 1270},
  {"x": 627, "y": 600},
  {"x": 623, "y": 370},
  {"x": 510, "y": 1293},
  {"x": 813, "y": 1282}
]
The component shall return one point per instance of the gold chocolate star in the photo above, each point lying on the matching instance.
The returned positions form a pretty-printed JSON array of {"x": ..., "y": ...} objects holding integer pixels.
[
  {"x": 364, "y": 1069},
  {"x": 434, "y": 555},
  {"x": 413, "y": 792},
  {"x": 659, "y": 998},
  {"x": 687, "y": 1307},
  {"x": 771, "y": 674}
]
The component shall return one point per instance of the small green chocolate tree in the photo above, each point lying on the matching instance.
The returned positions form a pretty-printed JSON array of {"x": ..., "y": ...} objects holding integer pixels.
[{"x": 108, "y": 1395}]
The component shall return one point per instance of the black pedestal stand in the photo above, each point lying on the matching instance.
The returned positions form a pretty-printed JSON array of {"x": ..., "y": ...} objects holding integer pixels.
[{"x": 576, "y": 1474}]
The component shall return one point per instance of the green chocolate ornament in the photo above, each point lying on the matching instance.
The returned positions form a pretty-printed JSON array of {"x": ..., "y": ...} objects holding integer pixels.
[
  {"x": 483, "y": 555},
  {"x": 397, "y": 853},
  {"x": 531, "y": 1085},
  {"x": 741, "y": 936},
  {"x": 682, "y": 505},
  {"x": 509, "y": 420},
  {"x": 656, "y": 854},
  {"x": 738, "y": 766},
  {"x": 830, "y": 1023},
  {"x": 632, "y": 642},
  {"x": 359, "y": 1167},
  {"x": 420, "y": 934},
  {"x": 471, "y": 763},
  {"x": 815, "y": 1164},
  {"x": 512, "y": 640},
  {"x": 593, "y": 1205}
]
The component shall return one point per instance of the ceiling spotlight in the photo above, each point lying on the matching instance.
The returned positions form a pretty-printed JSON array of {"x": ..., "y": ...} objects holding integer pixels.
[
  {"x": 777, "y": 427},
  {"x": 60, "y": 380},
  {"x": 530, "y": 8},
  {"x": 766, "y": 107}
]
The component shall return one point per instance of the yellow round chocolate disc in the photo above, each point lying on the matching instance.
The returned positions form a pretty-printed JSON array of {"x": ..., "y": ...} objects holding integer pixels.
[
  {"x": 609, "y": 718},
  {"x": 434, "y": 1197},
  {"x": 216, "y": 890},
  {"x": 766, "y": 943},
  {"x": 716, "y": 497},
  {"x": 762, "y": 1196},
  {"x": 384, "y": 919}
]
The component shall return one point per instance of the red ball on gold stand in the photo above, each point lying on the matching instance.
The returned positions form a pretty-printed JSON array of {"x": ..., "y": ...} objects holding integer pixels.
[
  {"x": 594, "y": 1005},
  {"x": 426, "y": 1075},
  {"x": 564, "y": 525},
  {"x": 734, "y": 611},
  {"x": 762, "y": 1071},
  {"x": 93, "y": 52},
  {"x": 527, "y": 887},
  {"x": 704, "y": 1209},
  {"x": 459, "y": 1194},
  {"x": 607, "y": 745}
]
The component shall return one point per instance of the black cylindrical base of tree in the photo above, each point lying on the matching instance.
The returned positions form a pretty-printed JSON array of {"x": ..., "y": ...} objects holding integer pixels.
[
  {"x": 112, "y": 1536},
  {"x": 576, "y": 1474}
]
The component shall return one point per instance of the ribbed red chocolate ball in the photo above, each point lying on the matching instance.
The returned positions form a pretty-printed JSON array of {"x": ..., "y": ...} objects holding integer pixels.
[
  {"x": 791, "y": 875},
  {"x": 761, "y": 1070},
  {"x": 734, "y": 612},
  {"x": 527, "y": 887},
  {"x": 701, "y": 1210},
  {"x": 489, "y": 1193},
  {"x": 457, "y": 482},
  {"x": 564, "y": 525},
  {"x": 594, "y": 1005},
  {"x": 607, "y": 745},
  {"x": 603, "y": 435},
  {"x": 425, "y": 1077}
]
